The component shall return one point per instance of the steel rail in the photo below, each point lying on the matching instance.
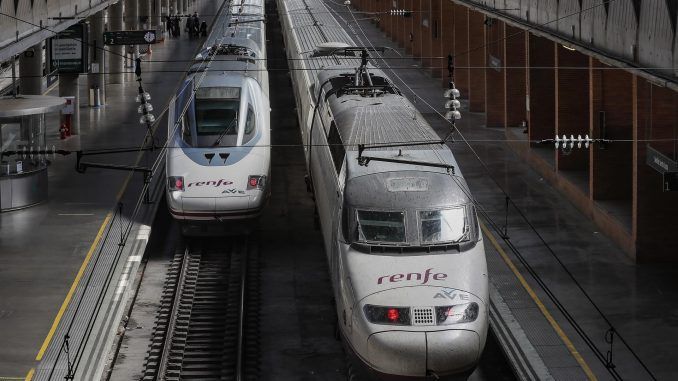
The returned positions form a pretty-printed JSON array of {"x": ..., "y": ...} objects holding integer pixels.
[
  {"x": 239, "y": 376},
  {"x": 176, "y": 301}
]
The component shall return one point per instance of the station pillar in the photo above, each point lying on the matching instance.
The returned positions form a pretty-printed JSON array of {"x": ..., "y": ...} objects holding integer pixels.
[
  {"x": 540, "y": 88},
  {"x": 144, "y": 14},
  {"x": 611, "y": 117},
  {"x": 131, "y": 23},
  {"x": 116, "y": 52},
  {"x": 495, "y": 75},
  {"x": 68, "y": 87},
  {"x": 447, "y": 38},
  {"x": 515, "y": 76},
  {"x": 655, "y": 118},
  {"x": 477, "y": 57},
  {"x": 572, "y": 107},
  {"x": 461, "y": 61},
  {"x": 156, "y": 14},
  {"x": 437, "y": 25},
  {"x": 30, "y": 70},
  {"x": 96, "y": 78}
]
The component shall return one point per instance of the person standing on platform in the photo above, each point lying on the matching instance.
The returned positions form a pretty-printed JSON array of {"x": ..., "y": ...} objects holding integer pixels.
[
  {"x": 203, "y": 29},
  {"x": 189, "y": 26},
  {"x": 196, "y": 25}
]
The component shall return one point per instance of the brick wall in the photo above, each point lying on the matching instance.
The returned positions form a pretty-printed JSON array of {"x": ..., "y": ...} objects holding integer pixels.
[
  {"x": 495, "y": 101},
  {"x": 572, "y": 105},
  {"x": 515, "y": 56},
  {"x": 477, "y": 62},
  {"x": 541, "y": 88}
]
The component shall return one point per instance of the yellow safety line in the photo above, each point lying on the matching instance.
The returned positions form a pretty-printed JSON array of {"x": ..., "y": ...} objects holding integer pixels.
[
  {"x": 29, "y": 376},
  {"x": 64, "y": 305},
  {"x": 566, "y": 340},
  {"x": 76, "y": 281}
]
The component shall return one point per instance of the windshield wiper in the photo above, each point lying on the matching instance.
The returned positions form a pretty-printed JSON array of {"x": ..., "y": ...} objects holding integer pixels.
[{"x": 223, "y": 133}]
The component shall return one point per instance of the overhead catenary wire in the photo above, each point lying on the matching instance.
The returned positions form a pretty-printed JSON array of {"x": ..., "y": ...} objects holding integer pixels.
[{"x": 589, "y": 342}]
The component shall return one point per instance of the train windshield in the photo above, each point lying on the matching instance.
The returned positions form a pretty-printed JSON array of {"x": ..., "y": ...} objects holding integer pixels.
[
  {"x": 216, "y": 116},
  {"x": 444, "y": 225},
  {"x": 383, "y": 227}
]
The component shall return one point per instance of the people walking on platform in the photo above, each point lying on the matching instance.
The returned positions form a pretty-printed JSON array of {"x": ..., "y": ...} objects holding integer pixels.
[
  {"x": 196, "y": 25},
  {"x": 203, "y": 29},
  {"x": 189, "y": 26},
  {"x": 177, "y": 26},
  {"x": 167, "y": 23}
]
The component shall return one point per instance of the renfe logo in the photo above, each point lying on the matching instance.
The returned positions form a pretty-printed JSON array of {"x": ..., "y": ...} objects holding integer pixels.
[
  {"x": 213, "y": 183},
  {"x": 411, "y": 276}
]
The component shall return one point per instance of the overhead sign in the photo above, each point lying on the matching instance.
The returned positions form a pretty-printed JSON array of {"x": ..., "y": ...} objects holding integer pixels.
[
  {"x": 68, "y": 50},
  {"x": 660, "y": 162},
  {"x": 130, "y": 37}
]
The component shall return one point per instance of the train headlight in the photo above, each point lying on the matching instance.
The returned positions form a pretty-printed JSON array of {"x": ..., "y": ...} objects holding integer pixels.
[
  {"x": 460, "y": 313},
  {"x": 175, "y": 183},
  {"x": 387, "y": 315},
  {"x": 256, "y": 182}
]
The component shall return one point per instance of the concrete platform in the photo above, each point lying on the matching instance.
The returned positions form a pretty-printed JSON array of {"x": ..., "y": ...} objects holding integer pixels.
[
  {"x": 638, "y": 299},
  {"x": 45, "y": 250}
]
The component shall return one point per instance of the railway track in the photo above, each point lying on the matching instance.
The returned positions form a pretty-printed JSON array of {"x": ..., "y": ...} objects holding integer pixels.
[{"x": 207, "y": 324}]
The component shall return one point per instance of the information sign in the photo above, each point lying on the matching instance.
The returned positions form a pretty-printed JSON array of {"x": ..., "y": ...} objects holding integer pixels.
[
  {"x": 130, "y": 37},
  {"x": 660, "y": 162},
  {"x": 68, "y": 50}
]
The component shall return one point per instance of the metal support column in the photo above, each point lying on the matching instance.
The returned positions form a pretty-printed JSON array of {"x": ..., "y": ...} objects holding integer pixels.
[
  {"x": 30, "y": 70},
  {"x": 116, "y": 52},
  {"x": 95, "y": 79},
  {"x": 68, "y": 86}
]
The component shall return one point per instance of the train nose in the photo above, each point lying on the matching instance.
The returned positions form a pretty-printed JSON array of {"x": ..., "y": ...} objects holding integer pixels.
[{"x": 420, "y": 353}]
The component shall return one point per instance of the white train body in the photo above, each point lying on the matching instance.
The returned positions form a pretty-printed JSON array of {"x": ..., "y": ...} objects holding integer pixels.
[
  {"x": 218, "y": 158},
  {"x": 403, "y": 242}
]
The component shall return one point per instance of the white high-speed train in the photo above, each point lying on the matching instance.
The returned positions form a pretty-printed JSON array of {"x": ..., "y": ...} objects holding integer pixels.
[
  {"x": 400, "y": 229},
  {"x": 218, "y": 160}
]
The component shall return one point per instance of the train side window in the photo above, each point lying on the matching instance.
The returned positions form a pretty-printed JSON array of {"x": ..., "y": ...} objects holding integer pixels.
[
  {"x": 337, "y": 149},
  {"x": 250, "y": 126},
  {"x": 186, "y": 129}
]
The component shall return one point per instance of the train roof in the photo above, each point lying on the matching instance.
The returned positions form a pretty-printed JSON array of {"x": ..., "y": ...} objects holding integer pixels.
[{"x": 236, "y": 43}]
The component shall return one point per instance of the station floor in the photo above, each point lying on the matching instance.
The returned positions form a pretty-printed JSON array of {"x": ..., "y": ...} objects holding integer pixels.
[
  {"x": 42, "y": 248},
  {"x": 639, "y": 300}
]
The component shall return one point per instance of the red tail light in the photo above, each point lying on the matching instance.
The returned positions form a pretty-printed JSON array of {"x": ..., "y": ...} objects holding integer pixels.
[
  {"x": 175, "y": 183},
  {"x": 256, "y": 182},
  {"x": 387, "y": 315},
  {"x": 393, "y": 315}
]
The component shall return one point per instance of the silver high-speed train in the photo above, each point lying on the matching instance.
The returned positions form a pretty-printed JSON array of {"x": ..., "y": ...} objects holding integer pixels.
[
  {"x": 218, "y": 160},
  {"x": 400, "y": 229}
]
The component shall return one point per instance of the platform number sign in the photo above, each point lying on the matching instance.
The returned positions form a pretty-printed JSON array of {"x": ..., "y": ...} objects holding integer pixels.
[
  {"x": 130, "y": 37},
  {"x": 68, "y": 50}
]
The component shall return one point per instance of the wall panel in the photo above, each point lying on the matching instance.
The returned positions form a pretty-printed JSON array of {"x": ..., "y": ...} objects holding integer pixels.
[
  {"x": 655, "y": 36},
  {"x": 622, "y": 29}
]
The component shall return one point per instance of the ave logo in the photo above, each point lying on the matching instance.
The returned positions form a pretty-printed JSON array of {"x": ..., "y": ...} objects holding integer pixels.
[{"x": 451, "y": 294}]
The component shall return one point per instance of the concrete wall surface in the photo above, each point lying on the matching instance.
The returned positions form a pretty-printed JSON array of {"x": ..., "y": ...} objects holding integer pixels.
[{"x": 639, "y": 32}]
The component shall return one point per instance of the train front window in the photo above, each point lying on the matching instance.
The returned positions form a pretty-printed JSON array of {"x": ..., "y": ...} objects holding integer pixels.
[
  {"x": 444, "y": 225},
  {"x": 250, "y": 126},
  {"x": 381, "y": 227},
  {"x": 216, "y": 122}
]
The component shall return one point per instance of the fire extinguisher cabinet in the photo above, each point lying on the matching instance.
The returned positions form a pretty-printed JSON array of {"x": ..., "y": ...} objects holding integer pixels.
[{"x": 23, "y": 175}]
